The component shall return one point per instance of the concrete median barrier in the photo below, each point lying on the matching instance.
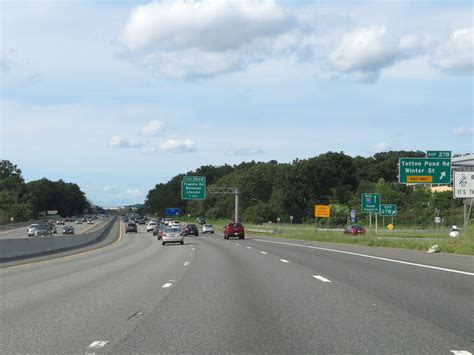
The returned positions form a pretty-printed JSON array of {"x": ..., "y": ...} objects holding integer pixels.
[{"x": 29, "y": 247}]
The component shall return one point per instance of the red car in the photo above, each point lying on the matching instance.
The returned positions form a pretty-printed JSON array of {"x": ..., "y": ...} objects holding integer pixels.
[
  {"x": 234, "y": 229},
  {"x": 354, "y": 229}
]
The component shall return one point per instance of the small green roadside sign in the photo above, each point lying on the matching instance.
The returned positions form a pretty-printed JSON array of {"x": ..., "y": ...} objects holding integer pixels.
[
  {"x": 193, "y": 188},
  {"x": 388, "y": 210},
  {"x": 370, "y": 203},
  {"x": 438, "y": 154},
  {"x": 424, "y": 171}
]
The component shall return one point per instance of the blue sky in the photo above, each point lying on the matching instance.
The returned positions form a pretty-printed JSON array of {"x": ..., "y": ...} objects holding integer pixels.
[{"x": 118, "y": 96}]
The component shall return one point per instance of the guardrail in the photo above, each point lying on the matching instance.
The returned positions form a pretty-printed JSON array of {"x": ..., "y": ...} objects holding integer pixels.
[
  {"x": 261, "y": 230},
  {"x": 29, "y": 247}
]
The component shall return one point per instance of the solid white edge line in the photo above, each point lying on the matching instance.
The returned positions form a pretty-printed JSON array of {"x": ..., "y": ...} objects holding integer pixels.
[
  {"x": 284, "y": 261},
  {"x": 321, "y": 278},
  {"x": 371, "y": 257}
]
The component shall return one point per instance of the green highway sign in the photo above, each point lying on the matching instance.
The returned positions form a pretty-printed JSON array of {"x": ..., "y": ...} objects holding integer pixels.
[
  {"x": 370, "y": 203},
  {"x": 193, "y": 188},
  {"x": 388, "y": 210},
  {"x": 424, "y": 171},
  {"x": 438, "y": 154}
]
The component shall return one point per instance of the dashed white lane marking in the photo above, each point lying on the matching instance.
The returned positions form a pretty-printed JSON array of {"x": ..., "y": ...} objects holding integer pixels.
[
  {"x": 237, "y": 244},
  {"x": 263, "y": 252},
  {"x": 370, "y": 257},
  {"x": 193, "y": 249},
  {"x": 284, "y": 261},
  {"x": 168, "y": 284},
  {"x": 97, "y": 344},
  {"x": 323, "y": 279},
  {"x": 249, "y": 247},
  {"x": 460, "y": 352},
  {"x": 186, "y": 263}
]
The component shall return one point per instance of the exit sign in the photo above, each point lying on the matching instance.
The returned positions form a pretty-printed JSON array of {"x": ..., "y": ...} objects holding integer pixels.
[
  {"x": 438, "y": 154},
  {"x": 424, "y": 171},
  {"x": 193, "y": 188}
]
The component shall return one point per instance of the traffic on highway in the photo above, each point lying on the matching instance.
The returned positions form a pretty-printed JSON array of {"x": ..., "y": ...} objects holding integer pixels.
[{"x": 236, "y": 177}]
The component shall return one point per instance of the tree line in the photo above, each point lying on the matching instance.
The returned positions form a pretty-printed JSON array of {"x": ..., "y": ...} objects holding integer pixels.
[
  {"x": 271, "y": 190},
  {"x": 25, "y": 201}
]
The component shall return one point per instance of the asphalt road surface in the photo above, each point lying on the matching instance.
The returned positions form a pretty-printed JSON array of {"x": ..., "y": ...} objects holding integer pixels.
[
  {"x": 78, "y": 229},
  {"x": 265, "y": 295}
]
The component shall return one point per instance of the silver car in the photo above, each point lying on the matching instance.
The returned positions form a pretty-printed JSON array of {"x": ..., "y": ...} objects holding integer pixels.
[
  {"x": 173, "y": 235},
  {"x": 208, "y": 228},
  {"x": 32, "y": 229}
]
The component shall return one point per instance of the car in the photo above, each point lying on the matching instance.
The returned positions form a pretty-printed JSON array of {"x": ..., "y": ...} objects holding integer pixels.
[
  {"x": 208, "y": 228},
  {"x": 191, "y": 229},
  {"x": 43, "y": 230},
  {"x": 454, "y": 233},
  {"x": 52, "y": 227},
  {"x": 60, "y": 221},
  {"x": 131, "y": 228},
  {"x": 90, "y": 221},
  {"x": 31, "y": 229},
  {"x": 141, "y": 221},
  {"x": 68, "y": 230},
  {"x": 150, "y": 226},
  {"x": 234, "y": 229},
  {"x": 78, "y": 221},
  {"x": 175, "y": 224},
  {"x": 158, "y": 231},
  {"x": 173, "y": 235},
  {"x": 354, "y": 229}
]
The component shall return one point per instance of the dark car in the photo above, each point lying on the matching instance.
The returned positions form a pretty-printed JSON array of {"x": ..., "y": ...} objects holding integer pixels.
[
  {"x": 68, "y": 230},
  {"x": 191, "y": 229},
  {"x": 141, "y": 221},
  {"x": 43, "y": 230},
  {"x": 354, "y": 229},
  {"x": 131, "y": 228}
]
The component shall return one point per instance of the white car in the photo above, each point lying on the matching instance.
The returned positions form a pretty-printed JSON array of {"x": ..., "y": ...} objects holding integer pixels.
[
  {"x": 208, "y": 228},
  {"x": 175, "y": 224},
  {"x": 150, "y": 226},
  {"x": 454, "y": 232},
  {"x": 173, "y": 235},
  {"x": 32, "y": 229}
]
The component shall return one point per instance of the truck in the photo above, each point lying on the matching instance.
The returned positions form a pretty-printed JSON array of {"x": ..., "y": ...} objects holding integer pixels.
[{"x": 234, "y": 229}]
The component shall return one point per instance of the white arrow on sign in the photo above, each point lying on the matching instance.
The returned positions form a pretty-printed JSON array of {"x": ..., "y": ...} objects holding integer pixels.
[{"x": 443, "y": 174}]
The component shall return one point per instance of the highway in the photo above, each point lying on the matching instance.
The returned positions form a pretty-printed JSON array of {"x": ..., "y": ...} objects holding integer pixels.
[
  {"x": 78, "y": 229},
  {"x": 258, "y": 295}
]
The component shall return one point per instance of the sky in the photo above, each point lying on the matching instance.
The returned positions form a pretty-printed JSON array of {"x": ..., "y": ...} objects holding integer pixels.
[{"x": 118, "y": 96}]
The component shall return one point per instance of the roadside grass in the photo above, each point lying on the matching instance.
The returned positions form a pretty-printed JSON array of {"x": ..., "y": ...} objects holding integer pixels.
[{"x": 390, "y": 239}]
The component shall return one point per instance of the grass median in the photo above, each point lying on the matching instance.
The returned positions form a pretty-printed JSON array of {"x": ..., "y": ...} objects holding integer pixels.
[{"x": 414, "y": 240}]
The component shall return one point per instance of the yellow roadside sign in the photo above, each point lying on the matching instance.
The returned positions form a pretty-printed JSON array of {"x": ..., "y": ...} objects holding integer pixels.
[
  {"x": 322, "y": 211},
  {"x": 390, "y": 226}
]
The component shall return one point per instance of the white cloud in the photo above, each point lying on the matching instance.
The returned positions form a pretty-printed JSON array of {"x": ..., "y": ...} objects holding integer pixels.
[
  {"x": 148, "y": 149},
  {"x": 243, "y": 151},
  {"x": 189, "y": 39},
  {"x": 365, "y": 51},
  {"x": 456, "y": 54},
  {"x": 381, "y": 147},
  {"x": 136, "y": 193},
  {"x": 464, "y": 131},
  {"x": 120, "y": 142},
  {"x": 109, "y": 188},
  {"x": 152, "y": 128},
  {"x": 178, "y": 145}
]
